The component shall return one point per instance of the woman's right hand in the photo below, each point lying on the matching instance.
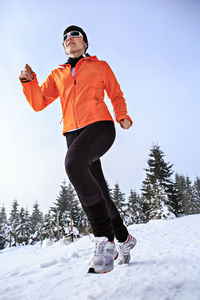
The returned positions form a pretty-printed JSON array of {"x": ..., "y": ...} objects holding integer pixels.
[{"x": 27, "y": 73}]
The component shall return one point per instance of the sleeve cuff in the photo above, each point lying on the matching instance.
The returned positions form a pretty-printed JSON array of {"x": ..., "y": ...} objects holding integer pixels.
[{"x": 23, "y": 80}]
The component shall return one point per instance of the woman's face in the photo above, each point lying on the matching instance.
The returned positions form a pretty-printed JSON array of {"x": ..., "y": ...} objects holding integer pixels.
[{"x": 74, "y": 45}]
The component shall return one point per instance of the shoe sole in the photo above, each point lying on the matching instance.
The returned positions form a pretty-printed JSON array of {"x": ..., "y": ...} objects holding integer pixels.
[{"x": 92, "y": 270}]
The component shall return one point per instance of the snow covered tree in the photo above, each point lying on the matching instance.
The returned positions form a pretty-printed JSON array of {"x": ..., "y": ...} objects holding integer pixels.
[
  {"x": 68, "y": 208},
  {"x": 75, "y": 206},
  {"x": 36, "y": 216},
  {"x": 190, "y": 204},
  {"x": 158, "y": 174},
  {"x": 160, "y": 208},
  {"x": 4, "y": 229},
  {"x": 188, "y": 194},
  {"x": 62, "y": 201},
  {"x": 3, "y": 217},
  {"x": 36, "y": 220},
  {"x": 84, "y": 226},
  {"x": 24, "y": 228},
  {"x": 197, "y": 194},
  {"x": 49, "y": 228},
  {"x": 197, "y": 187},
  {"x": 14, "y": 222},
  {"x": 134, "y": 210},
  {"x": 119, "y": 200},
  {"x": 187, "y": 205},
  {"x": 180, "y": 184}
]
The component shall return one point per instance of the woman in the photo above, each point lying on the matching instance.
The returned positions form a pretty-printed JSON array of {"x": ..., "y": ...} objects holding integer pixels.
[{"x": 89, "y": 130}]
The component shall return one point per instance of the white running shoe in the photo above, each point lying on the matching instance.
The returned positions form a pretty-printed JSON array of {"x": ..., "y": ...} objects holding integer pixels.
[
  {"x": 124, "y": 250},
  {"x": 104, "y": 254}
]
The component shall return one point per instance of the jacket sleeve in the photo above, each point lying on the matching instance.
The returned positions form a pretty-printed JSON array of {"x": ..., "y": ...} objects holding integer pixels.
[
  {"x": 40, "y": 97},
  {"x": 115, "y": 94}
]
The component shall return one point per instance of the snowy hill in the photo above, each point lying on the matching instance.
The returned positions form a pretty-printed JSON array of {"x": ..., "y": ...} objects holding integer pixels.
[{"x": 165, "y": 265}]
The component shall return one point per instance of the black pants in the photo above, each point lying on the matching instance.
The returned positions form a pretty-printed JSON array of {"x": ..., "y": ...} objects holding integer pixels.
[{"x": 83, "y": 166}]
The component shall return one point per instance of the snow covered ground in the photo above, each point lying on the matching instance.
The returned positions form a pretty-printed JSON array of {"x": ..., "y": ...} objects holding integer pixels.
[{"x": 165, "y": 265}]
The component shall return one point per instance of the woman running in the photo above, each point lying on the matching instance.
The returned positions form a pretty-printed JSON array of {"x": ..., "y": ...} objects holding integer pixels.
[{"x": 89, "y": 130}]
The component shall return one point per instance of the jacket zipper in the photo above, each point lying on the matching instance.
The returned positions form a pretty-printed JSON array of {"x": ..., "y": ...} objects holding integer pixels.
[
  {"x": 74, "y": 87},
  {"x": 74, "y": 110}
]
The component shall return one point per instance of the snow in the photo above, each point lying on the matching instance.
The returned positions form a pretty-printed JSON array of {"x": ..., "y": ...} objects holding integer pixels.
[{"x": 165, "y": 265}]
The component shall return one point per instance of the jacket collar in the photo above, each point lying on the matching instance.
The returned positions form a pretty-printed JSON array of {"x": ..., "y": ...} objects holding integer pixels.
[{"x": 91, "y": 58}]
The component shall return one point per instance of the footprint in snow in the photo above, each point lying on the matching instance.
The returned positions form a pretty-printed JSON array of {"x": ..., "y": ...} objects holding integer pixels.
[
  {"x": 48, "y": 264},
  {"x": 75, "y": 254}
]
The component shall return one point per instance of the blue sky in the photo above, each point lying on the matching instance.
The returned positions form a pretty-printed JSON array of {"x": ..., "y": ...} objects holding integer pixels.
[{"x": 153, "y": 48}]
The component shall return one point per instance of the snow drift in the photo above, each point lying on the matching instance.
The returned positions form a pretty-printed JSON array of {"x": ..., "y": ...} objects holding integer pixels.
[{"x": 165, "y": 265}]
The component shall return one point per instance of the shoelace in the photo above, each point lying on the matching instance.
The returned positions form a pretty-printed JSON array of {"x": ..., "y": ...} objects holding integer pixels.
[{"x": 99, "y": 249}]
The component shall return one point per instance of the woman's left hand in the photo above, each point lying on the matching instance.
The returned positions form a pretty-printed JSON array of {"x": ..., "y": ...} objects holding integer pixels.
[{"x": 125, "y": 123}]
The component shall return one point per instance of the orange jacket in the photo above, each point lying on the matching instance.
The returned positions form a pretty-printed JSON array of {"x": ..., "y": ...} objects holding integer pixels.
[{"x": 81, "y": 96}]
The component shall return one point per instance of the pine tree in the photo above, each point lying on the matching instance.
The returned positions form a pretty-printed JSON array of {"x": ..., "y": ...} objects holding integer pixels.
[
  {"x": 62, "y": 207},
  {"x": 36, "y": 220},
  {"x": 197, "y": 187},
  {"x": 180, "y": 185},
  {"x": 197, "y": 194},
  {"x": 160, "y": 208},
  {"x": 4, "y": 230},
  {"x": 14, "y": 223},
  {"x": 49, "y": 228},
  {"x": 119, "y": 200},
  {"x": 3, "y": 217},
  {"x": 187, "y": 194},
  {"x": 62, "y": 201},
  {"x": 134, "y": 210},
  {"x": 190, "y": 205},
  {"x": 24, "y": 227},
  {"x": 158, "y": 174},
  {"x": 68, "y": 207},
  {"x": 84, "y": 226},
  {"x": 74, "y": 206}
]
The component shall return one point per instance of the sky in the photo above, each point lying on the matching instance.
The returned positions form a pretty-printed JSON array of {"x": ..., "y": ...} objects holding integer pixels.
[{"x": 152, "y": 47}]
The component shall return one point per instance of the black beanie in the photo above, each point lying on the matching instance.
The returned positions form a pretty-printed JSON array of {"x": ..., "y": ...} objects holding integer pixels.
[{"x": 77, "y": 28}]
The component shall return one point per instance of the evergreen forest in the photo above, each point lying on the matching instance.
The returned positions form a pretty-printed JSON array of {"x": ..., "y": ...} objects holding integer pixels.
[{"x": 164, "y": 195}]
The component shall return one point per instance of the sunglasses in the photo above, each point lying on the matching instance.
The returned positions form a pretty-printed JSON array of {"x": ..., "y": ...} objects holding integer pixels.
[{"x": 72, "y": 34}]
